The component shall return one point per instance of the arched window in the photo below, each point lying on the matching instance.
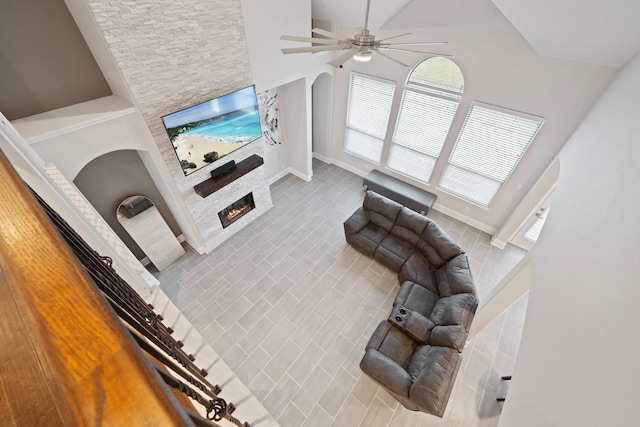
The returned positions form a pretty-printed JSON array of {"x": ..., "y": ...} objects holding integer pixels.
[
  {"x": 429, "y": 103},
  {"x": 439, "y": 75}
]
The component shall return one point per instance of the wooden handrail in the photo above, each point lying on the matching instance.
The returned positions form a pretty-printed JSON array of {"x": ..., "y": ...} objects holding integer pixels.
[{"x": 65, "y": 357}]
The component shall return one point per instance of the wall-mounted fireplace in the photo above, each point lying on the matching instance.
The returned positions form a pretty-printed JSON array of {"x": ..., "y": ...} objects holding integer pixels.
[{"x": 236, "y": 210}]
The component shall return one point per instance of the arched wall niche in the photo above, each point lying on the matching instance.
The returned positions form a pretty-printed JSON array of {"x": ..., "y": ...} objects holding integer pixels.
[{"x": 112, "y": 177}]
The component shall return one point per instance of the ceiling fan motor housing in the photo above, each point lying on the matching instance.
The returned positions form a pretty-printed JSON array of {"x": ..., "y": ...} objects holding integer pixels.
[{"x": 364, "y": 39}]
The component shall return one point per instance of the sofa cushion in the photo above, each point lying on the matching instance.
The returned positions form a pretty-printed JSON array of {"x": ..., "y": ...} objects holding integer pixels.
[
  {"x": 417, "y": 269},
  {"x": 409, "y": 225},
  {"x": 455, "y": 277},
  {"x": 368, "y": 239},
  {"x": 382, "y": 211},
  {"x": 455, "y": 310},
  {"x": 416, "y": 298},
  {"x": 400, "y": 243},
  {"x": 437, "y": 246},
  {"x": 393, "y": 252},
  {"x": 393, "y": 343}
]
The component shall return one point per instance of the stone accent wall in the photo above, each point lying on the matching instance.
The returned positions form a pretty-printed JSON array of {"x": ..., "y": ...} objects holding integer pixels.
[{"x": 173, "y": 55}]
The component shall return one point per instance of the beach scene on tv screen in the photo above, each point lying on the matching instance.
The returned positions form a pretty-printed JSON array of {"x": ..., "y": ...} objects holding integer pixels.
[{"x": 206, "y": 132}]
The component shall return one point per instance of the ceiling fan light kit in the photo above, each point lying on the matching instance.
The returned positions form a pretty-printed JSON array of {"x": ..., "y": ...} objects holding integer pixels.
[
  {"x": 363, "y": 55},
  {"x": 361, "y": 47}
]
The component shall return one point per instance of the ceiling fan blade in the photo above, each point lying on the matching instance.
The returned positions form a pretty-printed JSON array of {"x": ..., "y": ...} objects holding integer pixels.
[
  {"x": 327, "y": 34},
  {"x": 416, "y": 44},
  {"x": 392, "y": 59},
  {"x": 309, "y": 40},
  {"x": 342, "y": 58},
  {"x": 418, "y": 51},
  {"x": 289, "y": 50},
  {"x": 395, "y": 37}
]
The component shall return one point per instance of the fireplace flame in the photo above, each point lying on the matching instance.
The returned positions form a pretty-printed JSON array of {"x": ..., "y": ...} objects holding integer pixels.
[{"x": 234, "y": 213}]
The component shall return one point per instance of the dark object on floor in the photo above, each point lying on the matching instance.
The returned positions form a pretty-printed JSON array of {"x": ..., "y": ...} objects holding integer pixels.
[
  {"x": 414, "y": 354},
  {"x": 134, "y": 206},
  {"x": 505, "y": 378},
  {"x": 406, "y": 194}
]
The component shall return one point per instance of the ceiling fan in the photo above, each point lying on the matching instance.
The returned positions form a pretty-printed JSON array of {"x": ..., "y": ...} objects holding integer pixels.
[{"x": 361, "y": 47}]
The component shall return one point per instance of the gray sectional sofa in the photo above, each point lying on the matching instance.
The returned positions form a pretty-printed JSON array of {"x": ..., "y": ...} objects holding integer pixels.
[{"x": 414, "y": 354}]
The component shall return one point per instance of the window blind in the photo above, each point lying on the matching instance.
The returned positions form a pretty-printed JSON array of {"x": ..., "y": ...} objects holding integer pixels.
[
  {"x": 368, "y": 115},
  {"x": 422, "y": 127},
  {"x": 488, "y": 148}
]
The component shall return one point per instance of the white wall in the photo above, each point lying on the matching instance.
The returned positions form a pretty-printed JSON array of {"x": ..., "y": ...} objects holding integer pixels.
[
  {"x": 578, "y": 360},
  {"x": 295, "y": 116},
  {"x": 264, "y": 23},
  {"x": 276, "y": 162},
  {"x": 321, "y": 121},
  {"x": 499, "y": 68},
  {"x": 72, "y": 149}
]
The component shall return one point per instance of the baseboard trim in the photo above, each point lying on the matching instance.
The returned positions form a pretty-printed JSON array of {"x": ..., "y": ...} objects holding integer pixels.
[
  {"x": 467, "y": 220},
  {"x": 321, "y": 157},
  {"x": 498, "y": 243},
  {"x": 279, "y": 175},
  {"x": 291, "y": 171},
  {"x": 347, "y": 167},
  {"x": 301, "y": 175}
]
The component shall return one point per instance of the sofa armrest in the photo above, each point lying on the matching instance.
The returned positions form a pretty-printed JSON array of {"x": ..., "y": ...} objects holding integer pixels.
[
  {"x": 357, "y": 221},
  {"x": 453, "y": 336},
  {"x": 386, "y": 372},
  {"x": 378, "y": 336},
  {"x": 412, "y": 323},
  {"x": 432, "y": 388}
]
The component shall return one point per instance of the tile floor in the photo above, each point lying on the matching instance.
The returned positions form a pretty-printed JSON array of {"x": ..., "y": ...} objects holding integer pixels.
[{"x": 290, "y": 306}]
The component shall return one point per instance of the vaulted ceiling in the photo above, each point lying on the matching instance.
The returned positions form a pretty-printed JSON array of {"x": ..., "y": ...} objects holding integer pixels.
[{"x": 602, "y": 32}]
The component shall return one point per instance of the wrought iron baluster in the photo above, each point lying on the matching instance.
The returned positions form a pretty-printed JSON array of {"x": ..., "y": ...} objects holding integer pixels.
[
  {"x": 217, "y": 409},
  {"x": 102, "y": 267},
  {"x": 139, "y": 315},
  {"x": 212, "y": 391},
  {"x": 178, "y": 356},
  {"x": 114, "y": 286}
]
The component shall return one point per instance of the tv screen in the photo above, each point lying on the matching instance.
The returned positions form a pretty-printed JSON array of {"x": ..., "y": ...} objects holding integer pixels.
[{"x": 208, "y": 131}]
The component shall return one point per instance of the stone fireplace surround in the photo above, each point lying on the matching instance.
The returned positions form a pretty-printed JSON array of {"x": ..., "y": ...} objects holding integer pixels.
[{"x": 207, "y": 208}]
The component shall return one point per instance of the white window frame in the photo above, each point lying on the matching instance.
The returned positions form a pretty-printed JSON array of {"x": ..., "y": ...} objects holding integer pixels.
[
  {"x": 471, "y": 173},
  {"x": 366, "y": 127}
]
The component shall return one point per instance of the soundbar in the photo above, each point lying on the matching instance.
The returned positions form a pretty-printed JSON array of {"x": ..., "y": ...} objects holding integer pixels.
[{"x": 223, "y": 170}]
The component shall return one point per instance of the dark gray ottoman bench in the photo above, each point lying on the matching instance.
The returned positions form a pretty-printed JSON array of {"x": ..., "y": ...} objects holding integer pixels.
[{"x": 406, "y": 194}]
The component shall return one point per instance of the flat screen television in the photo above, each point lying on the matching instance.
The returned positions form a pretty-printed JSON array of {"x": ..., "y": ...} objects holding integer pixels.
[{"x": 205, "y": 132}]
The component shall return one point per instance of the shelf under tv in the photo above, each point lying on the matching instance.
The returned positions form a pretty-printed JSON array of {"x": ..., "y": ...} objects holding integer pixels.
[{"x": 212, "y": 185}]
